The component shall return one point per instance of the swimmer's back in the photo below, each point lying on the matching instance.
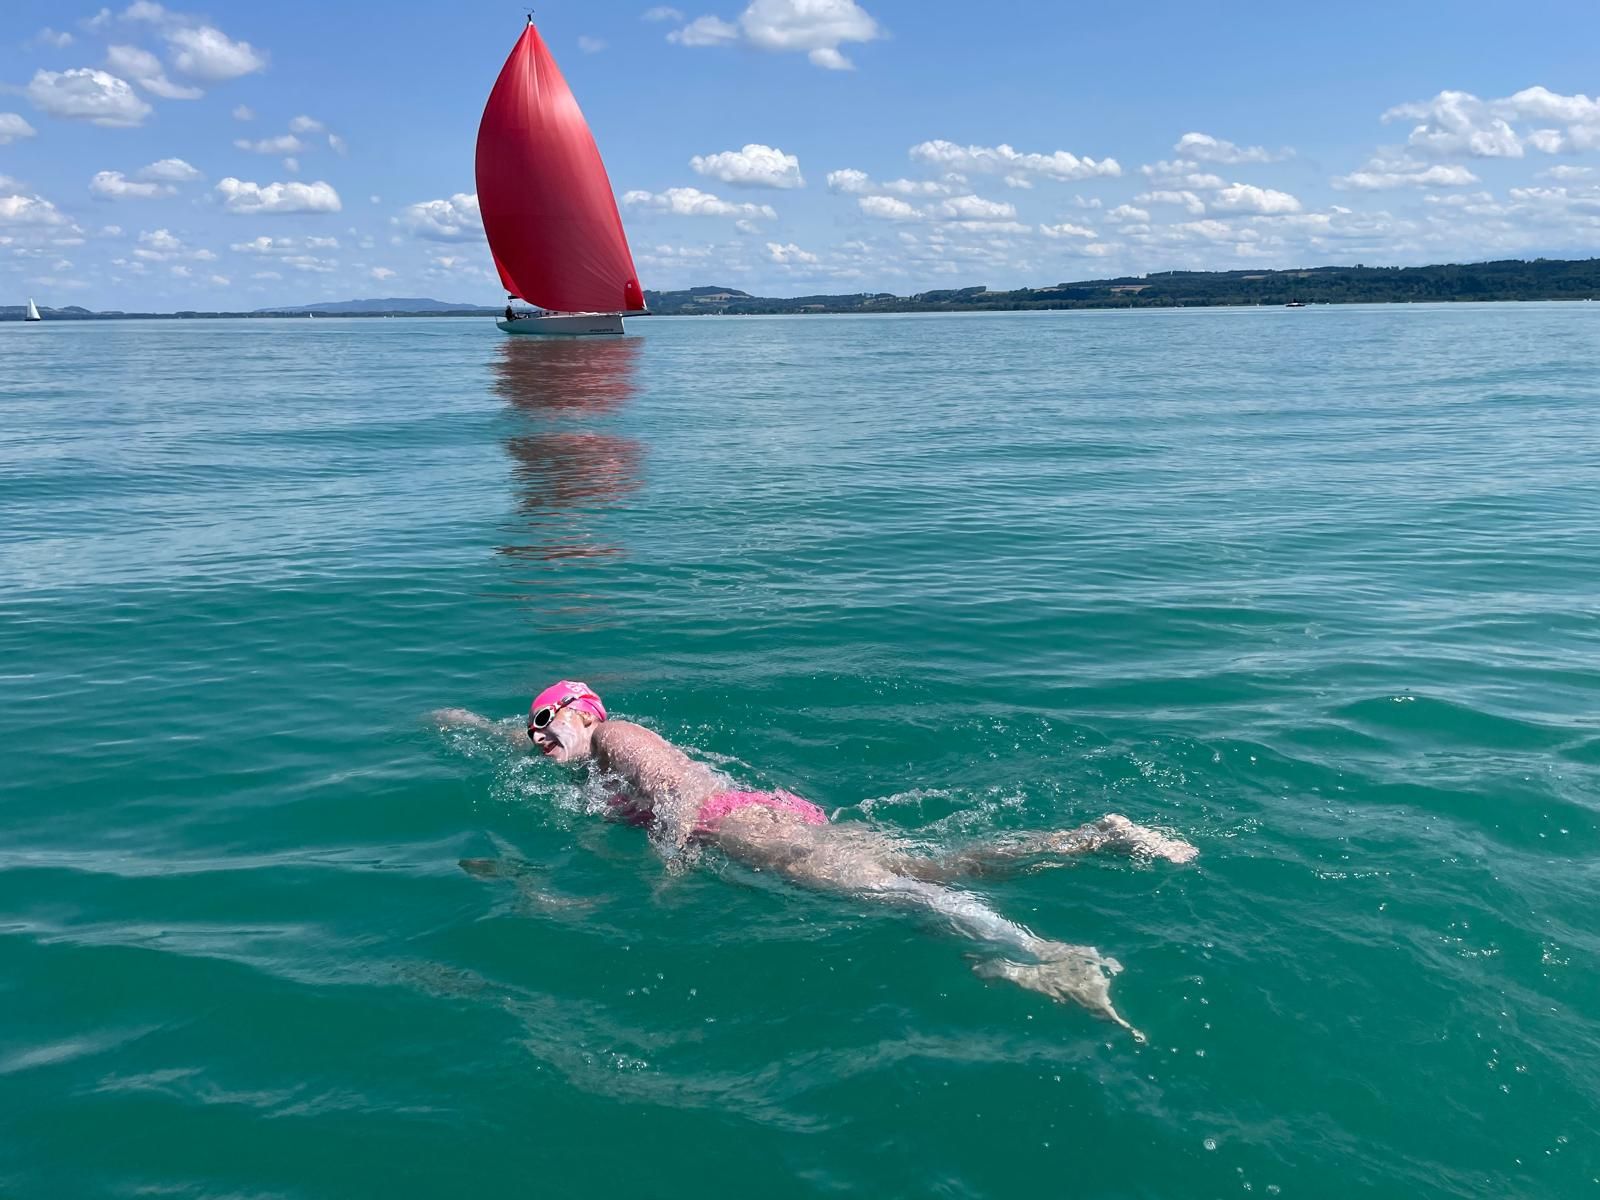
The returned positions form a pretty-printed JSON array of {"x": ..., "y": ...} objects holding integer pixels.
[{"x": 650, "y": 763}]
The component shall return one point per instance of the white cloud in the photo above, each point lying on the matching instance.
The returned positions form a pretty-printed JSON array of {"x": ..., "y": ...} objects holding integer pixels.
[
  {"x": 1067, "y": 230},
  {"x": 973, "y": 208},
  {"x": 29, "y": 210},
  {"x": 220, "y": 280},
  {"x": 1383, "y": 173},
  {"x": 142, "y": 10},
  {"x": 661, "y": 12},
  {"x": 338, "y": 145},
  {"x": 86, "y": 94},
  {"x": 12, "y": 127},
  {"x": 284, "y": 245},
  {"x": 1457, "y": 123},
  {"x": 205, "y": 52},
  {"x": 243, "y": 112},
  {"x": 850, "y": 181},
  {"x": 284, "y": 143},
  {"x": 1566, "y": 173},
  {"x": 1127, "y": 212},
  {"x": 50, "y": 37},
  {"x": 161, "y": 245},
  {"x": 966, "y": 212},
  {"x": 1578, "y": 113},
  {"x": 310, "y": 262},
  {"x": 145, "y": 70},
  {"x": 590, "y": 45},
  {"x": 1185, "y": 199},
  {"x": 924, "y": 187},
  {"x": 242, "y": 196},
  {"x": 114, "y": 185},
  {"x": 816, "y": 28},
  {"x": 857, "y": 183},
  {"x": 292, "y": 165},
  {"x": 705, "y": 31},
  {"x": 454, "y": 220},
  {"x": 888, "y": 208},
  {"x": 1205, "y": 148},
  {"x": 169, "y": 170},
  {"x": 381, "y": 273},
  {"x": 1002, "y": 159},
  {"x": 305, "y": 124},
  {"x": 788, "y": 254},
  {"x": 754, "y": 166},
  {"x": 1181, "y": 175},
  {"x": 1247, "y": 198},
  {"x": 692, "y": 202},
  {"x": 1213, "y": 231}
]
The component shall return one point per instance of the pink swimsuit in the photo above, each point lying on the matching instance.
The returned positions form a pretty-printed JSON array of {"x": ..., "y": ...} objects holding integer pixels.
[
  {"x": 714, "y": 810},
  {"x": 717, "y": 807}
]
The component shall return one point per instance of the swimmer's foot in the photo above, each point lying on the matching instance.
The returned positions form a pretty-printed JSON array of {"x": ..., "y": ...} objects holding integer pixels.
[
  {"x": 1072, "y": 974},
  {"x": 1115, "y": 832}
]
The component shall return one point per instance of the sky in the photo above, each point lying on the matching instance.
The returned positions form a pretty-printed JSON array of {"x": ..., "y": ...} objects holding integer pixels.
[{"x": 238, "y": 156}]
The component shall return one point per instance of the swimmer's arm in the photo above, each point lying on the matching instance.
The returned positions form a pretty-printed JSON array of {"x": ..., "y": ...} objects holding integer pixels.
[
  {"x": 664, "y": 779},
  {"x": 516, "y": 736}
]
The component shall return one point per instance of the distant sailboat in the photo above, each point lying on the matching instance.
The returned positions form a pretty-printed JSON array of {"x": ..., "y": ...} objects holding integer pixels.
[
  {"x": 33, "y": 311},
  {"x": 548, "y": 210}
]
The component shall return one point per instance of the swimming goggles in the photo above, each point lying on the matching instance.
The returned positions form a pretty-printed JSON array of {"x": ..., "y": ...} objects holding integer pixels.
[{"x": 543, "y": 715}]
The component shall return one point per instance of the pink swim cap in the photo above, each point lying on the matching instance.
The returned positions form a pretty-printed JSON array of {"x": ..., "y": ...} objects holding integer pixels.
[{"x": 569, "y": 694}]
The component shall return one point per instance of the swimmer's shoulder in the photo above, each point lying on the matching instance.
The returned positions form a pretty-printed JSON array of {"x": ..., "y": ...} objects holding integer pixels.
[{"x": 613, "y": 738}]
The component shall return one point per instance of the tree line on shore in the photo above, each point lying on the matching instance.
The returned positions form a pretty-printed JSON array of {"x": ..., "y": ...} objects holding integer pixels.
[{"x": 1507, "y": 279}]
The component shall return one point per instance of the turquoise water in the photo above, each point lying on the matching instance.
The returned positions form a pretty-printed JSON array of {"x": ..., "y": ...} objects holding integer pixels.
[{"x": 1316, "y": 589}]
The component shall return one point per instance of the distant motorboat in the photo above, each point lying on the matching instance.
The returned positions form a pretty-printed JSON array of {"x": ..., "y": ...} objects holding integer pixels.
[
  {"x": 548, "y": 210},
  {"x": 33, "y": 311},
  {"x": 1295, "y": 304}
]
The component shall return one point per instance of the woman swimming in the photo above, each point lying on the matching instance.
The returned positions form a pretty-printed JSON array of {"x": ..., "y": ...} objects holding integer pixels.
[{"x": 681, "y": 800}]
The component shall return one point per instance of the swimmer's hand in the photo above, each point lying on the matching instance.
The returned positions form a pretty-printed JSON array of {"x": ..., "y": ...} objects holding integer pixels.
[
  {"x": 461, "y": 718},
  {"x": 450, "y": 718}
]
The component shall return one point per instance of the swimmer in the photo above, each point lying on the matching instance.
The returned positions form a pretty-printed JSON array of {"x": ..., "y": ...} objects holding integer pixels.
[{"x": 683, "y": 801}]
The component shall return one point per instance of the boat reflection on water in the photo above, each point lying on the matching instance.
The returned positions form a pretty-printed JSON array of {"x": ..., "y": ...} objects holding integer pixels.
[{"x": 566, "y": 474}]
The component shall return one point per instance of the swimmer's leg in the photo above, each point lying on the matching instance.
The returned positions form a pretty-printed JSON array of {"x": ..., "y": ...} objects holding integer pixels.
[
  {"x": 831, "y": 858},
  {"x": 1112, "y": 833},
  {"x": 1080, "y": 974}
]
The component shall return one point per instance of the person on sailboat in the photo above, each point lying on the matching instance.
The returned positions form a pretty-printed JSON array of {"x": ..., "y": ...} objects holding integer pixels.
[
  {"x": 510, "y": 314},
  {"x": 683, "y": 803}
]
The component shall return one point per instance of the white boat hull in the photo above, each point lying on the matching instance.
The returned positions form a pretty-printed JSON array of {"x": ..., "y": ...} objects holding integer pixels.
[{"x": 565, "y": 324}]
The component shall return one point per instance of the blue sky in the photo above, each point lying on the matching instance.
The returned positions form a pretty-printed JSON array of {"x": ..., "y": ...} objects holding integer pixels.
[{"x": 242, "y": 155}]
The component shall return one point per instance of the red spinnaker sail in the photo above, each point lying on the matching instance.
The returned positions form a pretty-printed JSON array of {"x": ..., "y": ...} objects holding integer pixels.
[{"x": 546, "y": 202}]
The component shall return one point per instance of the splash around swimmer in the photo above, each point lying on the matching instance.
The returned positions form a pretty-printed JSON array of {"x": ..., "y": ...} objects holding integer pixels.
[{"x": 682, "y": 801}]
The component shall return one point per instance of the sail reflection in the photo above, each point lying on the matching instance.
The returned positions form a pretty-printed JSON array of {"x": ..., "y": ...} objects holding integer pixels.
[
  {"x": 564, "y": 475},
  {"x": 569, "y": 374}
]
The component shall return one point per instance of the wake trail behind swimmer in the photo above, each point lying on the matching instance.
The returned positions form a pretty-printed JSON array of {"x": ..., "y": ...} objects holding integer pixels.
[{"x": 683, "y": 801}]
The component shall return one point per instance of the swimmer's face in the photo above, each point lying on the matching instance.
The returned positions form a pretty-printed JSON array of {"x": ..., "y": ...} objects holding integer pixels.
[{"x": 567, "y": 737}]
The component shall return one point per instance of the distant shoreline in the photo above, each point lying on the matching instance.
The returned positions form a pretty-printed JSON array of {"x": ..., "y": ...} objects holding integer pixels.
[
  {"x": 975, "y": 309},
  {"x": 1505, "y": 280}
]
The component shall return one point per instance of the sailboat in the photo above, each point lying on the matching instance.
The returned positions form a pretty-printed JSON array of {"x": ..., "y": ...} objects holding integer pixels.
[
  {"x": 547, "y": 206},
  {"x": 33, "y": 311}
]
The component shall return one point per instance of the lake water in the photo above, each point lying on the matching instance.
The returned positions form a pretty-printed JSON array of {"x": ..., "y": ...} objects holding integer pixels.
[{"x": 1317, "y": 589}]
